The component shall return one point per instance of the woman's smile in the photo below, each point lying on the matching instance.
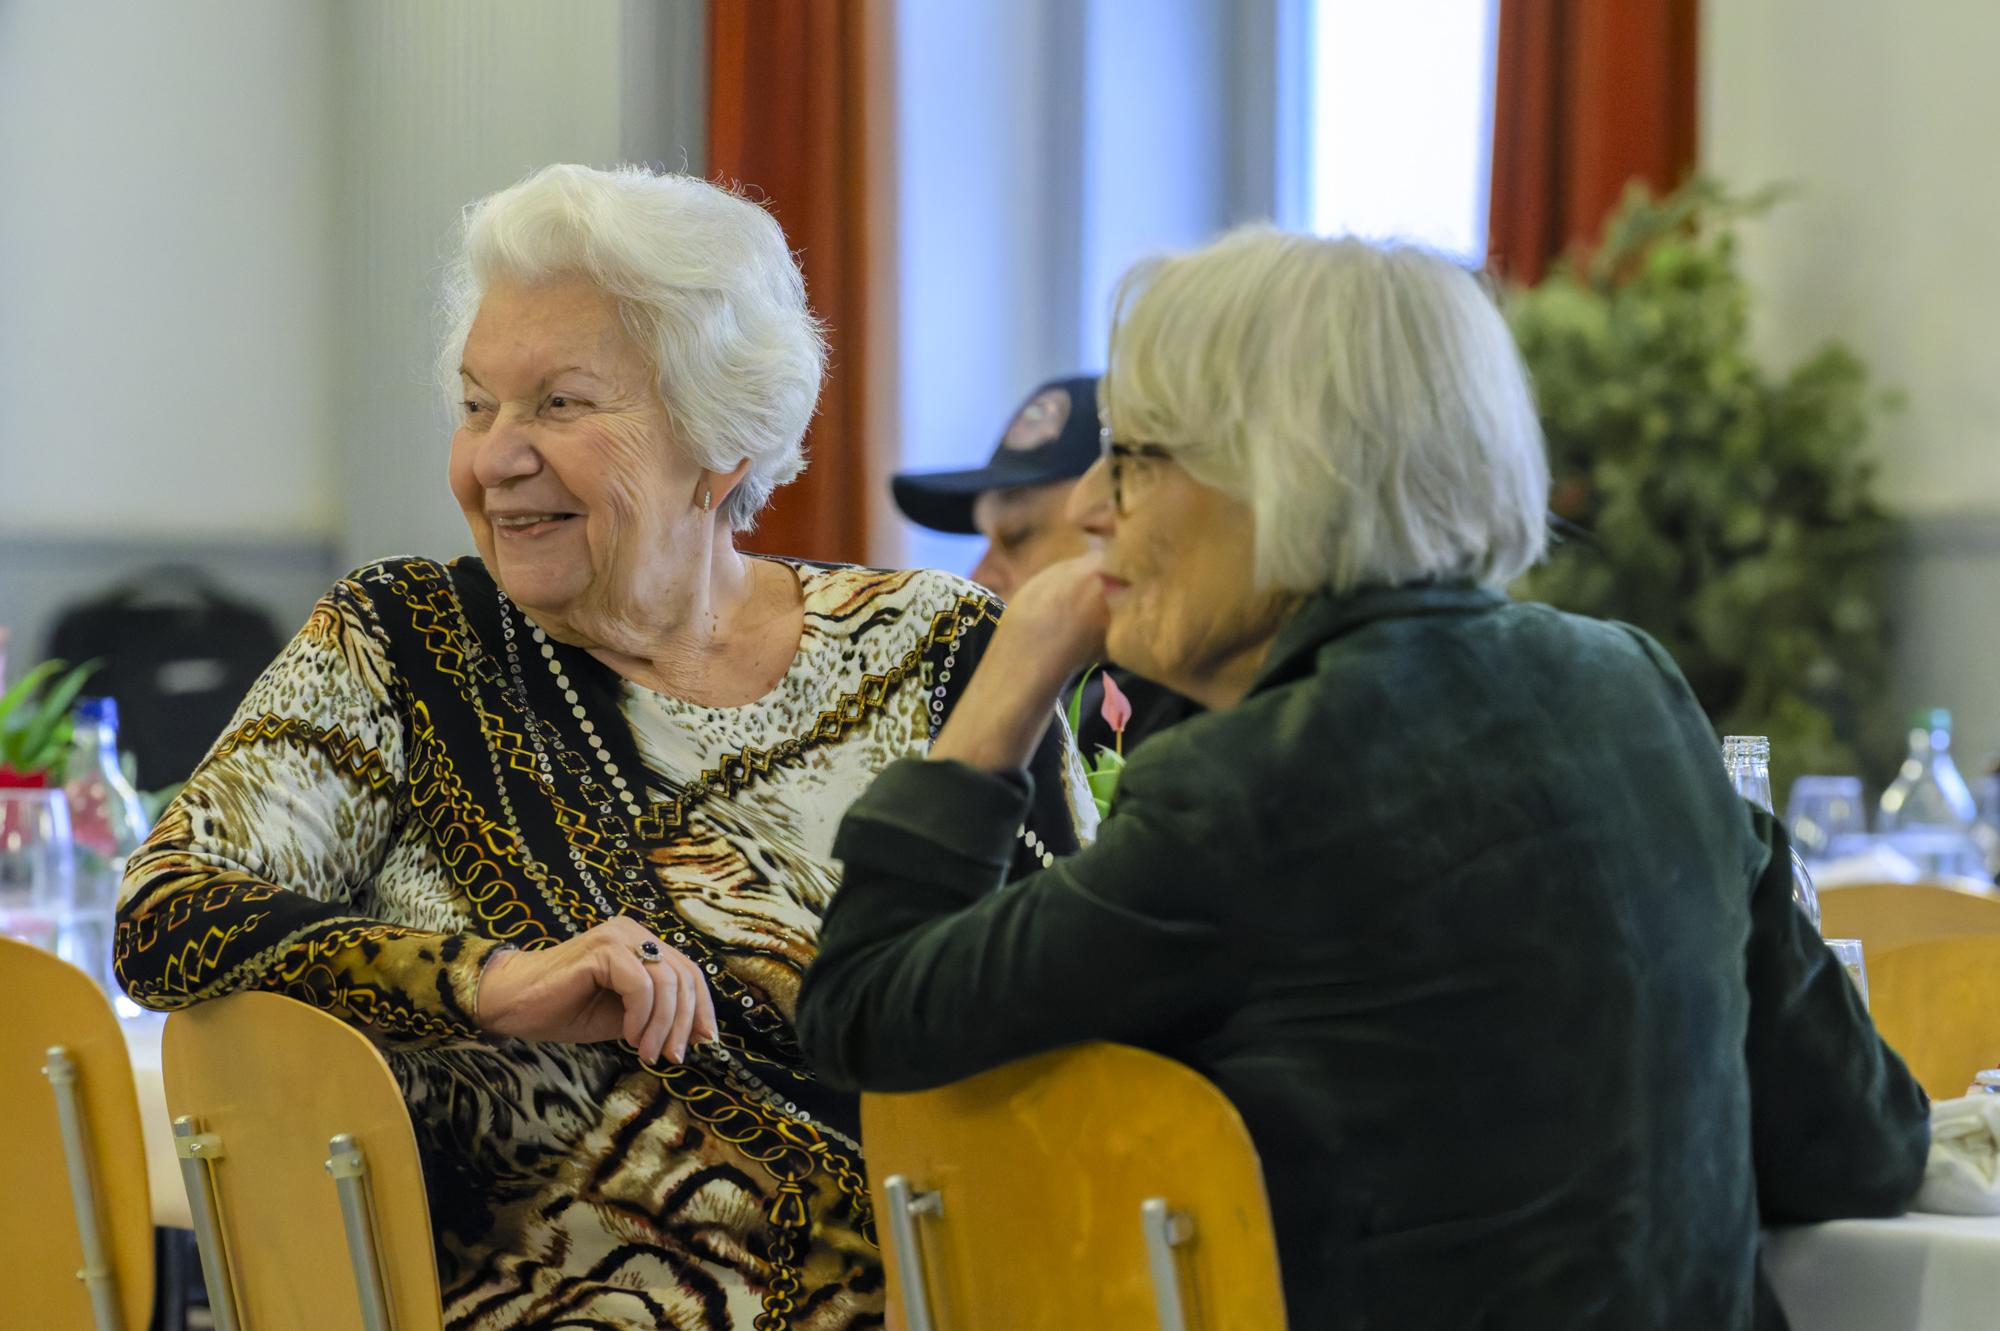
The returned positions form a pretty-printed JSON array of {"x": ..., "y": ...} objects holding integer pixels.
[{"x": 519, "y": 526}]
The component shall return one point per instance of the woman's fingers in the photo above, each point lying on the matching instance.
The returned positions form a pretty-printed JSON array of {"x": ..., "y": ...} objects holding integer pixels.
[
  {"x": 687, "y": 985},
  {"x": 565, "y": 992},
  {"x": 631, "y": 979},
  {"x": 666, "y": 1001},
  {"x": 705, "y": 1027}
]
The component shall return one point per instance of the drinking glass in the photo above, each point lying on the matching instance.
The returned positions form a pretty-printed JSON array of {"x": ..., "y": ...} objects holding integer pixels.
[
  {"x": 1849, "y": 952},
  {"x": 1822, "y": 808},
  {"x": 37, "y": 869}
]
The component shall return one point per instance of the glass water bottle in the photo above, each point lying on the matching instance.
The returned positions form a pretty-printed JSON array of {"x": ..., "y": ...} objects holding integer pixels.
[
  {"x": 1927, "y": 813},
  {"x": 1748, "y": 761},
  {"x": 106, "y": 826}
]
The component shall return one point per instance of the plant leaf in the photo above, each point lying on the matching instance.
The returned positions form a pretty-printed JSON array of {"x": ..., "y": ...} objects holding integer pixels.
[
  {"x": 1076, "y": 703},
  {"x": 27, "y": 684},
  {"x": 53, "y": 713}
]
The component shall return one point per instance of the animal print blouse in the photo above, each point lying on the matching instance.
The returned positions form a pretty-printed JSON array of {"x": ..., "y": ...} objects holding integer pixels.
[{"x": 423, "y": 777}]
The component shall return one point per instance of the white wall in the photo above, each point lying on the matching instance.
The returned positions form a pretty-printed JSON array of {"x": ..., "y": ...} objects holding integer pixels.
[
  {"x": 221, "y": 227},
  {"x": 1880, "y": 113},
  {"x": 1043, "y": 147},
  {"x": 166, "y": 274},
  {"x": 1156, "y": 129},
  {"x": 988, "y": 143},
  {"x": 443, "y": 101}
]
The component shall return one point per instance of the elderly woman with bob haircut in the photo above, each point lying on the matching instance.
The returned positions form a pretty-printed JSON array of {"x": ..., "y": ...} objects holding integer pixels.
[
  {"x": 1449, "y": 894},
  {"x": 554, "y": 825}
]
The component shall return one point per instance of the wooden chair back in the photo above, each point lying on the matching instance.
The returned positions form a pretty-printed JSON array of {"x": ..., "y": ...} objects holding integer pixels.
[
  {"x": 45, "y": 1002},
  {"x": 1887, "y": 915},
  {"x": 1045, "y": 1195},
  {"x": 271, "y": 1081},
  {"x": 1937, "y": 1003}
]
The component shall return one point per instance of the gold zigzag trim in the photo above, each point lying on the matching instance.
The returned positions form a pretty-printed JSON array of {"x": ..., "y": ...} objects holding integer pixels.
[{"x": 350, "y": 755}]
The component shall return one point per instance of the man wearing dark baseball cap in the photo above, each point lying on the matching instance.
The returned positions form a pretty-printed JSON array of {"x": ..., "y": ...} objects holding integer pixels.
[{"x": 1016, "y": 502}]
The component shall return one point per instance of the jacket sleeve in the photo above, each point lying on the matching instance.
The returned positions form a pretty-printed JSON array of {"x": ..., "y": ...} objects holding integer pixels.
[
  {"x": 1839, "y": 1127},
  {"x": 261, "y": 874},
  {"x": 929, "y": 969}
]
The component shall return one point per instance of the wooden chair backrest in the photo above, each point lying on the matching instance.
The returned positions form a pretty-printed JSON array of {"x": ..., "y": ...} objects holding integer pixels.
[
  {"x": 1886, "y": 915},
  {"x": 46, "y": 1001},
  {"x": 276, "y": 1079},
  {"x": 1041, "y": 1167},
  {"x": 1937, "y": 1003}
]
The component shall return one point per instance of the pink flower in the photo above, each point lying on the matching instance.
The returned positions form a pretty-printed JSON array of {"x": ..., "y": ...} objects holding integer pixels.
[{"x": 1117, "y": 708}]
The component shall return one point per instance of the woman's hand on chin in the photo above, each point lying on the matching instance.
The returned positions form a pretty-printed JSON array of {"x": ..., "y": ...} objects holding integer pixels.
[
  {"x": 596, "y": 986},
  {"x": 1055, "y": 623},
  {"x": 1053, "y": 628}
]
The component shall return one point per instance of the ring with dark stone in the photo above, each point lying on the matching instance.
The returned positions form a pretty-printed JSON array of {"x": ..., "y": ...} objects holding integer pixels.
[{"x": 650, "y": 951}]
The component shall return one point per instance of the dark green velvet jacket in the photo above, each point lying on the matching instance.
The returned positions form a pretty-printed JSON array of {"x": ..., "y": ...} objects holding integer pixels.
[{"x": 1459, "y": 910}]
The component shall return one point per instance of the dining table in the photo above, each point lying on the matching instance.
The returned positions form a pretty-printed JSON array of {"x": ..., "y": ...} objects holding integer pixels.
[{"x": 1916, "y": 1272}]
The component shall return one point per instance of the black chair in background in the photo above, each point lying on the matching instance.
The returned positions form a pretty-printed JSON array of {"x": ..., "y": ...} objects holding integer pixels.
[{"x": 178, "y": 654}]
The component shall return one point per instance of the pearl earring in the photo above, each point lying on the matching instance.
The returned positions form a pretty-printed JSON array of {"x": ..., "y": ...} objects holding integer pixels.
[{"x": 707, "y": 497}]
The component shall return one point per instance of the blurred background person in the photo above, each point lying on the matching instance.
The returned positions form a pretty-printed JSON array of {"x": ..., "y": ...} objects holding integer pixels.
[
  {"x": 1448, "y": 893},
  {"x": 1020, "y": 502}
]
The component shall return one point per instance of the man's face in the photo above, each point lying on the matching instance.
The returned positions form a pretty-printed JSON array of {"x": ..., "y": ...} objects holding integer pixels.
[{"x": 1025, "y": 532}]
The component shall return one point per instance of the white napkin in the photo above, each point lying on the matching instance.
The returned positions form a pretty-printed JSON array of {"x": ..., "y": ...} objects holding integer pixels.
[
  {"x": 1879, "y": 863},
  {"x": 1962, "y": 1176}
]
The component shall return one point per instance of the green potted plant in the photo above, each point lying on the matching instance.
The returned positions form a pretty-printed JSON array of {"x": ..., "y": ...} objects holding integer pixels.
[
  {"x": 35, "y": 726},
  {"x": 1729, "y": 513}
]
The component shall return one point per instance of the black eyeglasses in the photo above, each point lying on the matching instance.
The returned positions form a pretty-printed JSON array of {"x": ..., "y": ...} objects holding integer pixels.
[{"x": 1120, "y": 459}]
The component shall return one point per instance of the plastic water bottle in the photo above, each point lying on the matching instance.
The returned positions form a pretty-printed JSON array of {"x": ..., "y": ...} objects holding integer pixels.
[
  {"x": 1747, "y": 758},
  {"x": 1927, "y": 813},
  {"x": 106, "y": 826}
]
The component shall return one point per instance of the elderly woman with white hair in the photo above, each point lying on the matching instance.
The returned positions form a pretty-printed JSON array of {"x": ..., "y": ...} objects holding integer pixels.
[
  {"x": 554, "y": 825},
  {"x": 1448, "y": 894}
]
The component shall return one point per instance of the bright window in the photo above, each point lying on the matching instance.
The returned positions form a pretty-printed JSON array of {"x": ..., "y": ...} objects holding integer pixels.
[{"x": 1402, "y": 120}]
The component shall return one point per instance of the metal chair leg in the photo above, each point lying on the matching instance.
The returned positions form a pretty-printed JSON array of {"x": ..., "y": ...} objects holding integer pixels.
[
  {"x": 1165, "y": 1230},
  {"x": 96, "y": 1275},
  {"x": 350, "y": 1181},
  {"x": 197, "y": 1150}
]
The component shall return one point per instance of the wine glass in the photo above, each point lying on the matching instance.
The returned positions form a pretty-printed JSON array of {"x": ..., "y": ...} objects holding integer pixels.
[
  {"x": 37, "y": 867},
  {"x": 1848, "y": 950},
  {"x": 1822, "y": 808}
]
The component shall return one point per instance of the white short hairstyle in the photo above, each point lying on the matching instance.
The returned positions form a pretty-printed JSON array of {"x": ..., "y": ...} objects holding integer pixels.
[
  {"x": 1366, "y": 401},
  {"x": 705, "y": 284}
]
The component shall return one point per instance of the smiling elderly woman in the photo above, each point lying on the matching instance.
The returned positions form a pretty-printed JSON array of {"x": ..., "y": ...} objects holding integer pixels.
[
  {"x": 1448, "y": 894},
  {"x": 504, "y": 811}
]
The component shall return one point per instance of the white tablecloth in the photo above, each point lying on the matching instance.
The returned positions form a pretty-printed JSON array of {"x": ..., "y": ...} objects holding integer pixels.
[
  {"x": 1915, "y": 1273},
  {"x": 163, "y": 1169}
]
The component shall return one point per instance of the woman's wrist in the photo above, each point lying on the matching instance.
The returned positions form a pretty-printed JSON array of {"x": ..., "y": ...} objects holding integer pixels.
[
  {"x": 1004, "y": 712},
  {"x": 1053, "y": 628},
  {"x": 486, "y": 967}
]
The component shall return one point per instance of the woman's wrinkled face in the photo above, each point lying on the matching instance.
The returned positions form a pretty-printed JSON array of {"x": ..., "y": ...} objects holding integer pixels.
[
  {"x": 1179, "y": 574},
  {"x": 564, "y": 463}
]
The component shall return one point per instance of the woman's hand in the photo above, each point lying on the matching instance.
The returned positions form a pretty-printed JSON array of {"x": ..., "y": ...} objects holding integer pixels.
[
  {"x": 596, "y": 987},
  {"x": 1052, "y": 628}
]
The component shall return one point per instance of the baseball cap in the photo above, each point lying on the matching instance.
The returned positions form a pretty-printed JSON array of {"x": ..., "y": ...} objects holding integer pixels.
[{"x": 1053, "y": 437}]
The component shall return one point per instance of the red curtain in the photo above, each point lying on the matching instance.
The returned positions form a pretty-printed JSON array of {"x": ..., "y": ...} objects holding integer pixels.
[
  {"x": 791, "y": 106},
  {"x": 1589, "y": 94}
]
